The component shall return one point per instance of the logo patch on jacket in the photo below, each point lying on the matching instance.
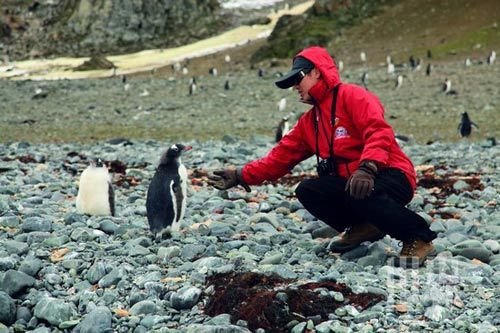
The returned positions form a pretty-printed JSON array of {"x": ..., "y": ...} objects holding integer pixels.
[{"x": 341, "y": 132}]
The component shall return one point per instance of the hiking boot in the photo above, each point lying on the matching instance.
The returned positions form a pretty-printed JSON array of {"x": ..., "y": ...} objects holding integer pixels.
[
  {"x": 355, "y": 235},
  {"x": 414, "y": 253}
]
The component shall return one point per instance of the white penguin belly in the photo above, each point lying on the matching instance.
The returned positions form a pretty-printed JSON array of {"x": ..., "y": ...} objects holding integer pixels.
[{"x": 93, "y": 192}]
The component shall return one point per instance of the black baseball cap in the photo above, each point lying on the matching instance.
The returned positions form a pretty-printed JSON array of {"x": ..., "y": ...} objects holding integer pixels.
[{"x": 301, "y": 66}]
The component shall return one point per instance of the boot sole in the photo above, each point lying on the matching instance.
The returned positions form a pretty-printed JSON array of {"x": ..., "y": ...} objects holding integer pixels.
[{"x": 348, "y": 247}]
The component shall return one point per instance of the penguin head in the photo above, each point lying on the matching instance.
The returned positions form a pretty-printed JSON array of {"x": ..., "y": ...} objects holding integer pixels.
[
  {"x": 174, "y": 152},
  {"x": 465, "y": 115},
  {"x": 97, "y": 163}
]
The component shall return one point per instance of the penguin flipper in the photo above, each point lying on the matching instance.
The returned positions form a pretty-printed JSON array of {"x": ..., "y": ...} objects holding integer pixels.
[
  {"x": 179, "y": 197},
  {"x": 474, "y": 124},
  {"x": 111, "y": 198}
]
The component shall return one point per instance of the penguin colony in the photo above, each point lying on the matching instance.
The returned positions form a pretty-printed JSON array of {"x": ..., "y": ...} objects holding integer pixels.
[
  {"x": 167, "y": 192},
  {"x": 95, "y": 192}
]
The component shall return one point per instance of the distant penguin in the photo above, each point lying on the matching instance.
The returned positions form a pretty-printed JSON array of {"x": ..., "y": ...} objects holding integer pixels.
[
  {"x": 429, "y": 54},
  {"x": 491, "y": 58},
  {"x": 428, "y": 70},
  {"x": 227, "y": 58},
  {"x": 340, "y": 66},
  {"x": 95, "y": 192},
  {"x": 226, "y": 85},
  {"x": 166, "y": 198},
  {"x": 185, "y": 70},
  {"x": 465, "y": 126},
  {"x": 262, "y": 72},
  {"x": 283, "y": 128},
  {"x": 388, "y": 59},
  {"x": 364, "y": 79},
  {"x": 467, "y": 62},
  {"x": 362, "y": 56},
  {"x": 399, "y": 82},
  {"x": 212, "y": 71},
  {"x": 192, "y": 88},
  {"x": 282, "y": 105},
  {"x": 446, "y": 88},
  {"x": 412, "y": 62},
  {"x": 176, "y": 67},
  {"x": 390, "y": 68},
  {"x": 418, "y": 66}
]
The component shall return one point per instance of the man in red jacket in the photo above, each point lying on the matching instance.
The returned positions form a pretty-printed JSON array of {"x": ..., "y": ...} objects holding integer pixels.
[{"x": 365, "y": 180}]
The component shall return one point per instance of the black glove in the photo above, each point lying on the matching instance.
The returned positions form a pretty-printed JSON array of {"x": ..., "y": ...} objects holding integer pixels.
[
  {"x": 226, "y": 178},
  {"x": 360, "y": 184}
]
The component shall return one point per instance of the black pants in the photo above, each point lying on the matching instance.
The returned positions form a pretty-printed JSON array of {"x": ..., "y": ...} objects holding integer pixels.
[{"x": 326, "y": 199}]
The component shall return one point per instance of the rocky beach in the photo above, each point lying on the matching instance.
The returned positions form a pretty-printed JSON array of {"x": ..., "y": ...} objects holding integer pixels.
[{"x": 65, "y": 272}]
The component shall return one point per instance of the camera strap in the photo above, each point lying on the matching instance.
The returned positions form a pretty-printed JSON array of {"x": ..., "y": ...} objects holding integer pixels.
[{"x": 332, "y": 122}]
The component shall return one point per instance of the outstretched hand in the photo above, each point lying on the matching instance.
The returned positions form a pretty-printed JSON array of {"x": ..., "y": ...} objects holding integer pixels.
[{"x": 224, "y": 179}]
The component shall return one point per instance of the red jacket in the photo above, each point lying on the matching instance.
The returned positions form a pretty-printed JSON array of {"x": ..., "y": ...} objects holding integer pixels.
[{"x": 361, "y": 132}]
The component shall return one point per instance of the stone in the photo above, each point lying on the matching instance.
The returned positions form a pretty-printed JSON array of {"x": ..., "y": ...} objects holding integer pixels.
[
  {"x": 55, "y": 311},
  {"x": 7, "y": 309},
  {"x": 185, "y": 298},
  {"x": 98, "y": 320}
]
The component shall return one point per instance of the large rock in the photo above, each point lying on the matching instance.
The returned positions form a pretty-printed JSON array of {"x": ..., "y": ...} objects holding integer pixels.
[
  {"x": 15, "y": 282},
  {"x": 54, "y": 311},
  {"x": 98, "y": 320},
  {"x": 7, "y": 309}
]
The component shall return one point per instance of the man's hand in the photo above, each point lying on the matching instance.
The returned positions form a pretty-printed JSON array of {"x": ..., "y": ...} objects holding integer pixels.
[
  {"x": 360, "y": 184},
  {"x": 226, "y": 178}
]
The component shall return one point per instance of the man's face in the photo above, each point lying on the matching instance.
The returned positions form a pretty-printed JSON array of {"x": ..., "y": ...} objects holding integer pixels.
[{"x": 307, "y": 82}]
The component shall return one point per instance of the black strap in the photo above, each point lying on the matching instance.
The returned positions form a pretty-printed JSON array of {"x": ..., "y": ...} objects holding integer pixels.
[{"x": 332, "y": 123}]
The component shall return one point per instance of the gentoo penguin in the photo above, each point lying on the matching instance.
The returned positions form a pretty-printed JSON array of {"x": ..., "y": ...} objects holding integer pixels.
[
  {"x": 212, "y": 71},
  {"x": 185, "y": 70},
  {"x": 467, "y": 62},
  {"x": 282, "y": 105},
  {"x": 227, "y": 58},
  {"x": 364, "y": 79},
  {"x": 388, "y": 59},
  {"x": 428, "y": 70},
  {"x": 166, "y": 198},
  {"x": 95, "y": 192},
  {"x": 192, "y": 87},
  {"x": 283, "y": 128},
  {"x": 412, "y": 62},
  {"x": 465, "y": 126},
  {"x": 262, "y": 72},
  {"x": 226, "y": 85},
  {"x": 446, "y": 86},
  {"x": 399, "y": 81},
  {"x": 362, "y": 56},
  {"x": 491, "y": 58},
  {"x": 390, "y": 68},
  {"x": 340, "y": 66}
]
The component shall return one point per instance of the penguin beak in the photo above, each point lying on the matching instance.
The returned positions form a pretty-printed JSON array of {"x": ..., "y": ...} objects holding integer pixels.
[{"x": 186, "y": 148}]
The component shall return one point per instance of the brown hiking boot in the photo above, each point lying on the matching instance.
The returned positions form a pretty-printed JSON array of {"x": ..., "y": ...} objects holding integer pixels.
[
  {"x": 355, "y": 235},
  {"x": 414, "y": 253}
]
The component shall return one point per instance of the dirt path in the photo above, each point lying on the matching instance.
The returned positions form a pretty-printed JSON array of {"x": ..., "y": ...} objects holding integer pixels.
[{"x": 61, "y": 68}]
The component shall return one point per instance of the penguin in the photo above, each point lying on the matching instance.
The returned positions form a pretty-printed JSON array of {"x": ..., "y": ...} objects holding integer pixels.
[
  {"x": 95, "y": 191},
  {"x": 185, "y": 70},
  {"x": 446, "y": 86},
  {"x": 390, "y": 68},
  {"x": 465, "y": 126},
  {"x": 192, "y": 88},
  {"x": 362, "y": 56},
  {"x": 428, "y": 70},
  {"x": 399, "y": 82},
  {"x": 388, "y": 59},
  {"x": 226, "y": 85},
  {"x": 262, "y": 72},
  {"x": 282, "y": 105},
  {"x": 364, "y": 80},
  {"x": 166, "y": 197},
  {"x": 340, "y": 66},
  {"x": 467, "y": 62},
  {"x": 283, "y": 128},
  {"x": 491, "y": 58},
  {"x": 212, "y": 71},
  {"x": 227, "y": 58},
  {"x": 412, "y": 62}
]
